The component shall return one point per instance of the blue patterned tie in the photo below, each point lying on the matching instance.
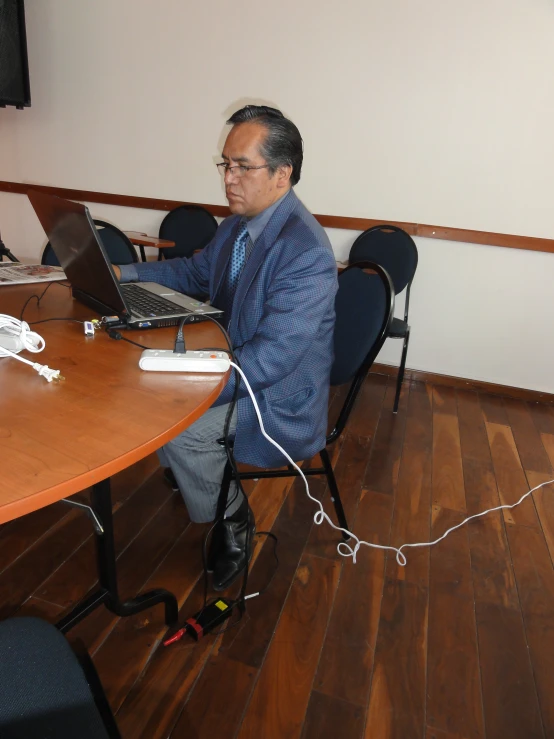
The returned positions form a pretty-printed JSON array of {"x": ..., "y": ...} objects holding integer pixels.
[{"x": 238, "y": 256}]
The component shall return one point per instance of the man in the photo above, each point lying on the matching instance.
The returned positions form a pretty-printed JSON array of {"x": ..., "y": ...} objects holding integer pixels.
[{"x": 271, "y": 269}]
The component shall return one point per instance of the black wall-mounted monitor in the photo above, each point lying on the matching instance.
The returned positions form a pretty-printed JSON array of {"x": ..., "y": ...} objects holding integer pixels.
[{"x": 14, "y": 67}]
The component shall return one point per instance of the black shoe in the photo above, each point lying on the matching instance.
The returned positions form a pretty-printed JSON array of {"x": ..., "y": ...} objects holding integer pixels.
[
  {"x": 169, "y": 477},
  {"x": 234, "y": 547}
]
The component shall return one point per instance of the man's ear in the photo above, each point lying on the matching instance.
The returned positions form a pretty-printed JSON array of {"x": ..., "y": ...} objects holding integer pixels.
[{"x": 284, "y": 174}]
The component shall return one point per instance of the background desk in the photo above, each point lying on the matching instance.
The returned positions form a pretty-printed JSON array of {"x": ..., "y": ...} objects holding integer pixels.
[
  {"x": 58, "y": 439},
  {"x": 141, "y": 240}
]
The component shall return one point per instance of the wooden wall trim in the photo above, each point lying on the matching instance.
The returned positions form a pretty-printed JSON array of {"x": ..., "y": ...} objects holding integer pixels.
[
  {"x": 480, "y": 386},
  {"x": 445, "y": 233}
]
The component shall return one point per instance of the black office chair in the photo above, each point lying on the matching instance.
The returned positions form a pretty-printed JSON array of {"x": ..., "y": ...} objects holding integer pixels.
[
  {"x": 191, "y": 227},
  {"x": 395, "y": 250},
  {"x": 47, "y": 689},
  {"x": 117, "y": 245},
  {"x": 364, "y": 308}
]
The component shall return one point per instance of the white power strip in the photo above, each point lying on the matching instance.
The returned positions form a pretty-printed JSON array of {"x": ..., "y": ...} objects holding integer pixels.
[{"x": 165, "y": 360}]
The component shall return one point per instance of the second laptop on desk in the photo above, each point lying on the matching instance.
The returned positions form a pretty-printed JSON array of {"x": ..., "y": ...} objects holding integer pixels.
[{"x": 77, "y": 245}]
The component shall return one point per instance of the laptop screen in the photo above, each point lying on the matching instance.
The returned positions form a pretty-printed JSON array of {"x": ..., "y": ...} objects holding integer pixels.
[{"x": 77, "y": 245}]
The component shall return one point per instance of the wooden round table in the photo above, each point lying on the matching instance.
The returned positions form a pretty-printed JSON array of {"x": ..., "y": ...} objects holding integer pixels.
[{"x": 57, "y": 439}]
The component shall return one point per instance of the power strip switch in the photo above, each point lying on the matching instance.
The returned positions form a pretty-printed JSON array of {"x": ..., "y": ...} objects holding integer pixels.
[{"x": 165, "y": 360}]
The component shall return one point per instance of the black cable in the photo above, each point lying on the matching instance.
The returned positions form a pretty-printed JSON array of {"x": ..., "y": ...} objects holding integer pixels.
[
  {"x": 45, "y": 320},
  {"x": 275, "y": 540},
  {"x": 113, "y": 334},
  {"x": 179, "y": 347},
  {"x": 231, "y": 408},
  {"x": 230, "y": 458},
  {"x": 242, "y": 601},
  {"x": 40, "y": 297}
]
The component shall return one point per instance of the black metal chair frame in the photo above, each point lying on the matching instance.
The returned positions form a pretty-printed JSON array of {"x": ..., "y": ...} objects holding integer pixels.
[
  {"x": 162, "y": 252},
  {"x": 107, "y": 594},
  {"x": 404, "y": 327},
  {"x": 355, "y": 386},
  {"x": 101, "y": 224},
  {"x": 96, "y": 689}
]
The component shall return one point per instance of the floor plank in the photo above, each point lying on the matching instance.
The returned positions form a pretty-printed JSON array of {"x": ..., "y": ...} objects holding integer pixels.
[
  {"x": 444, "y": 400},
  {"x": 294, "y": 652},
  {"x": 535, "y": 580},
  {"x": 493, "y": 577},
  {"x": 448, "y": 479},
  {"x": 473, "y": 435},
  {"x": 455, "y": 645},
  {"x": 510, "y": 698},
  {"x": 543, "y": 417},
  {"x": 412, "y": 502},
  {"x": 346, "y": 662},
  {"x": 528, "y": 440},
  {"x": 493, "y": 409},
  {"x": 217, "y": 705},
  {"x": 453, "y": 678},
  {"x": 544, "y": 503},
  {"x": 397, "y": 698},
  {"x": 386, "y": 451},
  {"x": 510, "y": 477},
  {"x": 329, "y": 718}
]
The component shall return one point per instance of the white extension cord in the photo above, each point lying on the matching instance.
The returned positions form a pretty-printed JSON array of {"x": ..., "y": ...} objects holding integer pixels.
[
  {"x": 16, "y": 336},
  {"x": 320, "y": 516}
]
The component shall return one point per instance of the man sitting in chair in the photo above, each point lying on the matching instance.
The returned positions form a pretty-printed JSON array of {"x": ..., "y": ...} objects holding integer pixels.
[{"x": 271, "y": 269}]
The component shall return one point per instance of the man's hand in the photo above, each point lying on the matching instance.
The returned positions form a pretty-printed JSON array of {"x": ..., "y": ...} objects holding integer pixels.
[{"x": 117, "y": 271}]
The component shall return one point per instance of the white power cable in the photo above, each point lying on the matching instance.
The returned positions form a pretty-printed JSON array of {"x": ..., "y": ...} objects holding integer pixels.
[
  {"x": 21, "y": 337},
  {"x": 320, "y": 515}
]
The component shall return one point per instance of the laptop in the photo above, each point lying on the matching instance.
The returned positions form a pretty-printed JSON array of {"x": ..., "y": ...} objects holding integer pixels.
[{"x": 79, "y": 249}]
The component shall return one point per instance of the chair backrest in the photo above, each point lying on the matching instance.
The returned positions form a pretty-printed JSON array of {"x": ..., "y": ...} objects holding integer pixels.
[
  {"x": 49, "y": 256},
  {"x": 118, "y": 246},
  {"x": 44, "y": 689},
  {"x": 392, "y": 248},
  {"x": 191, "y": 227},
  {"x": 364, "y": 308}
]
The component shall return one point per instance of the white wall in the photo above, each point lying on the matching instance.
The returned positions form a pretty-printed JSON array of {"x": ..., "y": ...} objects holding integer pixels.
[{"x": 436, "y": 113}]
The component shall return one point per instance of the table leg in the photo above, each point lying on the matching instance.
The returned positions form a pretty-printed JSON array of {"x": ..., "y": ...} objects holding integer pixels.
[
  {"x": 142, "y": 253},
  {"x": 107, "y": 594}
]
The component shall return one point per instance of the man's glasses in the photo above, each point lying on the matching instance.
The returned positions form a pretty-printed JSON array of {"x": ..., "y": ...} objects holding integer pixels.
[{"x": 237, "y": 170}]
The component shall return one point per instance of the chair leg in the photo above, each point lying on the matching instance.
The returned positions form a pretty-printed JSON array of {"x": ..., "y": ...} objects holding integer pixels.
[
  {"x": 335, "y": 495},
  {"x": 401, "y": 371}
]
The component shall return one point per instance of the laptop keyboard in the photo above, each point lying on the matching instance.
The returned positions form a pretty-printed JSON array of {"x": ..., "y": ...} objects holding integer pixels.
[{"x": 144, "y": 303}]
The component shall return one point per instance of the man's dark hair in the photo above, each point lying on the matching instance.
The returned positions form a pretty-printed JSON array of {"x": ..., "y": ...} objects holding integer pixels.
[{"x": 283, "y": 144}]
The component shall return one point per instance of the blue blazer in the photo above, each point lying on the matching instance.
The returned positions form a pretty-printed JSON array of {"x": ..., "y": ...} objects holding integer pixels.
[{"x": 281, "y": 326}]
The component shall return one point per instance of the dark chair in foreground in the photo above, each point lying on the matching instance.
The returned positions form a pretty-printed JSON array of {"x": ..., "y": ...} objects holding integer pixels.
[
  {"x": 364, "y": 309},
  {"x": 395, "y": 250},
  {"x": 47, "y": 689},
  {"x": 117, "y": 245},
  {"x": 191, "y": 227}
]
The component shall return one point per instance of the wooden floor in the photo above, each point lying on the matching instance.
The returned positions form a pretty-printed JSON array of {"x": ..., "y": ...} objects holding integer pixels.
[{"x": 459, "y": 644}]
